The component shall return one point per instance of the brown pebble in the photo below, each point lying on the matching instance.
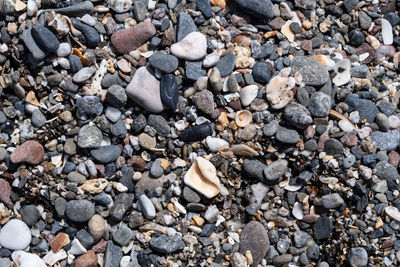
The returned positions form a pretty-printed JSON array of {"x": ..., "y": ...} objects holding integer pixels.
[
  {"x": 306, "y": 45},
  {"x": 5, "y": 192},
  {"x": 58, "y": 242},
  {"x": 30, "y": 152},
  {"x": 309, "y": 132},
  {"x": 394, "y": 158},
  {"x": 100, "y": 246},
  {"x": 88, "y": 259}
]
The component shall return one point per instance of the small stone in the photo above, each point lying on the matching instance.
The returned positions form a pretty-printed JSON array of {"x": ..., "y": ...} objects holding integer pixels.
[
  {"x": 113, "y": 254},
  {"x": 89, "y": 106},
  {"x": 123, "y": 235},
  {"x": 185, "y": 26},
  {"x": 211, "y": 60},
  {"x": 164, "y": 62},
  {"x": 146, "y": 141},
  {"x": 94, "y": 186},
  {"x": 274, "y": 171},
  {"x": 215, "y": 80},
  {"x": 358, "y": 257},
  {"x": 322, "y": 228},
  {"x": 297, "y": 115},
  {"x": 248, "y": 94},
  {"x": 192, "y": 47},
  {"x": 386, "y": 140},
  {"x": 169, "y": 91},
  {"x": 88, "y": 259},
  {"x": 258, "y": 8},
  {"x": 332, "y": 201},
  {"x": 30, "y": 214},
  {"x": 367, "y": 110},
  {"x": 312, "y": 71},
  {"x": 356, "y": 38},
  {"x": 5, "y": 192},
  {"x": 196, "y": 133},
  {"x": 167, "y": 245},
  {"x": 89, "y": 137},
  {"x": 227, "y": 64},
  {"x": 287, "y": 136},
  {"x": 387, "y": 32},
  {"x": 129, "y": 39},
  {"x": 204, "y": 101},
  {"x": 262, "y": 72},
  {"x": 333, "y": 147},
  {"x": 38, "y": 119},
  {"x": 83, "y": 75},
  {"x": 106, "y": 154},
  {"x": 97, "y": 226},
  {"x": 64, "y": 50},
  {"x": 116, "y": 96},
  {"x": 147, "y": 207},
  {"x": 25, "y": 259},
  {"x": 144, "y": 89},
  {"x": 254, "y": 237},
  {"x": 79, "y": 210},
  {"x": 320, "y": 104},
  {"x": 15, "y": 235},
  {"x": 45, "y": 38},
  {"x": 58, "y": 242},
  {"x": 159, "y": 124},
  {"x": 30, "y": 152}
]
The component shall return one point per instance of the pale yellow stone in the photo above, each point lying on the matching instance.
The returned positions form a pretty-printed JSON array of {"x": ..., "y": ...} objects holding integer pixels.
[
  {"x": 287, "y": 32},
  {"x": 94, "y": 186}
]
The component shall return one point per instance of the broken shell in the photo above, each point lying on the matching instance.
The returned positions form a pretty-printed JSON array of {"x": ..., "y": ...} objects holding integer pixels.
[
  {"x": 243, "y": 150},
  {"x": 243, "y": 118},
  {"x": 202, "y": 177},
  {"x": 279, "y": 89},
  {"x": 94, "y": 186}
]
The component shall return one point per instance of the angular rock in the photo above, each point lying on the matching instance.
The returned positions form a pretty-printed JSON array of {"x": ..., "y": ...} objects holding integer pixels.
[
  {"x": 312, "y": 71},
  {"x": 164, "y": 62},
  {"x": 226, "y": 64},
  {"x": 167, "y": 245}
]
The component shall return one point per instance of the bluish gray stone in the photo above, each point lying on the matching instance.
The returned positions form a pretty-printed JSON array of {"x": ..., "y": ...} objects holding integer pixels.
[
  {"x": 106, "y": 154},
  {"x": 312, "y": 71},
  {"x": 79, "y": 210},
  {"x": 185, "y": 26},
  {"x": 386, "y": 140},
  {"x": 258, "y": 8},
  {"x": 164, "y": 62},
  {"x": 167, "y": 245}
]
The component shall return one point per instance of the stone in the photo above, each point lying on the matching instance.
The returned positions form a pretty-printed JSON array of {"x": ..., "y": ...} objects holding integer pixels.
[
  {"x": 211, "y": 60},
  {"x": 196, "y": 133},
  {"x": 75, "y": 65},
  {"x": 97, "y": 226},
  {"x": 164, "y": 62},
  {"x": 123, "y": 235},
  {"x": 79, "y": 210},
  {"x": 349, "y": 5},
  {"x": 129, "y": 39},
  {"x": 25, "y": 259},
  {"x": 38, "y": 119},
  {"x": 254, "y": 237},
  {"x": 113, "y": 254},
  {"x": 287, "y": 136},
  {"x": 298, "y": 115},
  {"x": 320, "y": 104},
  {"x": 358, "y": 257},
  {"x": 83, "y": 75},
  {"x": 89, "y": 136},
  {"x": 333, "y": 146},
  {"x": 387, "y": 32},
  {"x": 342, "y": 69},
  {"x": 15, "y": 235},
  {"x": 274, "y": 171},
  {"x": 77, "y": 10},
  {"x": 58, "y": 242},
  {"x": 279, "y": 89},
  {"x": 226, "y": 64},
  {"x": 312, "y": 71},
  {"x": 89, "y": 106},
  {"x": 386, "y": 140},
  {"x": 36, "y": 55},
  {"x": 248, "y": 94},
  {"x": 91, "y": 35},
  {"x": 258, "y": 8},
  {"x": 88, "y": 259},
  {"x": 30, "y": 214},
  {"x": 139, "y": 10},
  {"x": 30, "y": 152},
  {"x": 169, "y": 91},
  {"x": 332, "y": 201},
  {"x": 386, "y": 171},
  {"x": 106, "y": 154},
  {"x": 356, "y": 38},
  {"x": 205, "y": 8},
  {"x": 5, "y": 192},
  {"x": 215, "y": 80},
  {"x": 147, "y": 207},
  {"x": 159, "y": 124},
  {"x": 204, "y": 101},
  {"x": 45, "y": 38},
  {"x": 185, "y": 26},
  {"x": 322, "y": 228},
  {"x": 116, "y": 96},
  {"x": 194, "y": 70},
  {"x": 166, "y": 244},
  {"x": 144, "y": 89},
  {"x": 261, "y": 72},
  {"x": 94, "y": 186},
  {"x": 146, "y": 141},
  {"x": 367, "y": 110},
  {"x": 192, "y": 47}
]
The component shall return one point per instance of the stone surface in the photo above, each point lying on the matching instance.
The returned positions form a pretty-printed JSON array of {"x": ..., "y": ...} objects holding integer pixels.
[
  {"x": 15, "y": 235},
  {"x": 106, "y": 154},
  {"x": 79, "y": 210},
  {"x": 259, "y": 8},
  {"x": 167, "y": 245},
  {"x": 312, "y": 71},
  {"x": 169, "y": 91},
  {"x": 164, "y": 62},
  {"x": 254, "y": 237},
  {"x": 30, "y": 152},
  {"x": 192, "y": 47}
]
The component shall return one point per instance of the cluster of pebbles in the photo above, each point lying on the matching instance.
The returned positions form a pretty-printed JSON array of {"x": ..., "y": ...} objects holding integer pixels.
[{"x": 199, "y": 133}]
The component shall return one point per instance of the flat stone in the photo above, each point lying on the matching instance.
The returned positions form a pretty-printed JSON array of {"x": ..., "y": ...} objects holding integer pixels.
[
  {"x": 159, "y": 124},
  {"x": 274, "y": 171},
  {"x": 5, "y": 192},
  {"x": 83, "y": 75},
  {"x": 194, "y": 70},
  {"x": 113, "y": 254},
  {"x": 312, "y": 71},
  {"x": 123, "y": 235},
  {"x": 322, "y": 228},
  {"x": 332, "y": 201},
  {"x": 254, "y": 237},
  {"x": 226, "y": 64},
  {"x": 164, "y": 62},
  {"x": 167, "y": 245},
  {"x": 144, "y": 89},
  {"x": 192, "y": 47},
  {"x": 205, "y": 8},
  {"x": 258, "y": 8},
  {"x": 147, "y": 207},
  {"x": 127, "y": 40},
  {"x": 116, "y": 96},
  {"x": 254, "y": 168},
  {"x": 106, "y": 154},
  {"x": 89, "y": 136},
  {"x": 30, "y": 152},
  {"x": 287, "y": 136},
  {"x": 185, "y": 26},
  {"x": 386, "y": 140},
  {"x": 30, "y": 214},
  {"x": 262, "y": 72},
  {"x": 367, "y": 110},
  {"x": 15, "y": 235},
  {"x": 25, "y": 259}
]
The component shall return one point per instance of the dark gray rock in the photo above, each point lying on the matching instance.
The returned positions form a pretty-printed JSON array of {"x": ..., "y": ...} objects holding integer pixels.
[
  {"x": 297, "y": 115},
  {"x": 164, "y": 62},
  {"x": 356, "y": 38},
  {"x": 122, "y": 203},
  {"x": 92, "y": 37},
  {"x": 159, "y": 124},
  {"x": 119, "y": 129},
  {"x": 45, "y": 38},
  {"x": 386, "y": 140},
  {"x": 194, "y": 70},
  {"x": 75, "y": 63},
  {"x": 254, "y": 168},
  {"x": 88, "y": 106},
  {"x": 112, "y": 255},
  {"x": 262, "y": 72},
  {"x": 85, "y": 238},
  {"x": 254, "y": 237},
  {"x": 258, "y": 8},
  {"x": 169, "y": 91},
  {"x": 312, "y": 71},
  {"x": 287, "y": 136},
  {"x": 322, "y": 228},
  {"x": 367, "y": 110},
  {"x": 106, "y": 154},
  {"x": 79, "y": 210},
  {"x": 333, "y": 146},
  {"x": 196, "y": 133},
  {"x": 37, "y": 55},
  {"x": 386, "y": 171},
  {"x": 205, "y": 8},
  {"x": 349, "y": 5},
  {"x": 38, "y": 119},
  {"x": 30, "y": 214},
  {"x": 77, "y": 10},
  {"x": 226, "y": 64},
  {"x": 123, "y": 235},
  {"x": 190, "y": 195},
  {"x": 167, "y": 245},
  {"x": 319, "y": 104},
  {"x": 116, "y": 96},
  {"x": 185, "y": 26}
]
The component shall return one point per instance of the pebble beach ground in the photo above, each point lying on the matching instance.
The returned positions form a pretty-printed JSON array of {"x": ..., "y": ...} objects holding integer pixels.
[{"x": 199, "y": 133}]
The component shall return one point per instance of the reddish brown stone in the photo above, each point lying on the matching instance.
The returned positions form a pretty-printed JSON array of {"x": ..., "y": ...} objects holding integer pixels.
[
  {"x": 139, "y": 164},
  {"x": 239, "y": 20},
  {"x": 394, "y": 158},
  {"x": 168, "y": 37},
  {"x": 388, "y": 243},
  {"x": 100, "y": 246},
  {"x": 350, "y": 140},
  {"x": 321, "y": 143},
  {"x": 306, "y": 45},
  {"x": 127, "y": 40},
  {"x": 310, "y": 218},
  {"x": 235, "y": 105},
  {"x": 30, "y": 152},
  {"x": 5, "y": 192},
  {"x": 88, "y": 259},
  {"x": 309, "y": 132},
  {"x": 58, "y": 242},
  {"x": 366, "y": 48}
]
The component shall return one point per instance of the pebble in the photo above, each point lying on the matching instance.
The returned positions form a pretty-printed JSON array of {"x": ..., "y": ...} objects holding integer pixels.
[
  {"x": 254, "y": 237},
  {"x": 298, "y": 115},
  {"x": 226, "y": 64},
  {"x": 97, "y": 226},
  {"x": 192, "y": 47},
  {"x": 147, "y": 207},
  {"x": 312, "y": 71},
  {"x": 123, "y": 235},
  {"x": 15, "y": 235},
  {"x": 169, "y": 91},
  {"x": 322, "y": 228},
  {"x": 30, "y": 214},
  {"x": 287, "y": 136},
  {"x": 261, "y": 72},
  {"x": 274, "y": 171},
  {"x": 248, "y": 94},
  {"x": 144, "y": 89},
  {"x": 332, "y": 201},
  {"x": 358, "y": 257},
  {"x": 79, "y": 210},
  {"x": 204, "y": 101},
  {"x": 259, "y": 8},
  {"x": 83, "y": 75},
  {"x": 45, "y": 38},
  {"x": 91, "y": 35},
  {"x": 185, "y": 26},
  {"x": 387, "y": 33},
  {"x": 167, "y": 245},
  {"x": 25, "y": 259},
  {"x": 196, "y": 133},
  {"x": 106, "y": 154},
  {"x": 320, "y": 104},
  {"x": 164, "y": 62},
  {"x": 89, "y": 136},
  {"x": 116, "y": 96},
  {"x": 30, "y": 152}
]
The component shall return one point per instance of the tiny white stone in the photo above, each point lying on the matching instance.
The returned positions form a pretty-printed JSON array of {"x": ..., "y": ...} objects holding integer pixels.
[
  {"x": 346, "y": 126},
  {"x": 77, "y": 248},
  {"x": 393, "y": 212},
  {"x": 211, "y": 60},
  {"x": 211, "y": 214},
  {"x": 387, "y": 32},
  {"x": 248, "y": 94},
  {"x": 64, "y": 50},
  {"x": 215, "y": 144}
]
